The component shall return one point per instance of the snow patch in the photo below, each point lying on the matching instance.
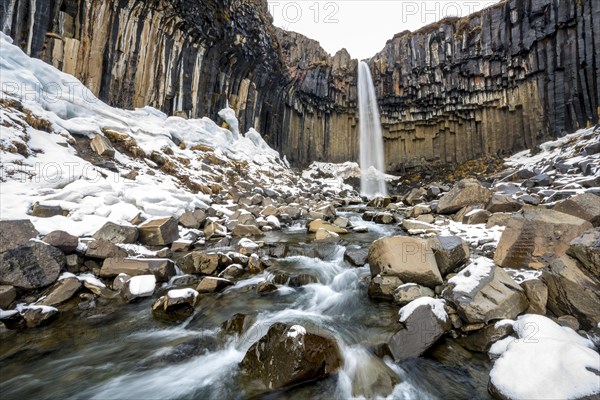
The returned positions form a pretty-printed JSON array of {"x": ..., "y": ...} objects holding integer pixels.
[{"x": 436, "y": 305}]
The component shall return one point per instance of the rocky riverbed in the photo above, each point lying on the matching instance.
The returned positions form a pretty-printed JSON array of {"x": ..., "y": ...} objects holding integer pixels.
[{"x": 173, "y": 258}]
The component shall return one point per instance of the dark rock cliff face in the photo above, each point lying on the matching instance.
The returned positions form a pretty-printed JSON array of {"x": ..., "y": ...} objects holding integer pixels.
[{"x": 497, "y": 81}]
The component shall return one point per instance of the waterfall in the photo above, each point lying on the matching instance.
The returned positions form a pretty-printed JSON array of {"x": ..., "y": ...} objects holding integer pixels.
[{"x": 372, "y": 181}]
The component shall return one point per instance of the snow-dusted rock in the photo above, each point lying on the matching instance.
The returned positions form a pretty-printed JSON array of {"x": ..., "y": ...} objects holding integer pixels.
[
  {"x": 139, "y": 286},
  {"x": 176, "y": 305},
  {"x": 408, "y": 292},
  {"x": 465, "y": 193},
  {"x": 483, "y": 292}
]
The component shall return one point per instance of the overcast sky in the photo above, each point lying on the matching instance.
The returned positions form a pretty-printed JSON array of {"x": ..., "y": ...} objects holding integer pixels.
[{"x": 363, "y": 26}]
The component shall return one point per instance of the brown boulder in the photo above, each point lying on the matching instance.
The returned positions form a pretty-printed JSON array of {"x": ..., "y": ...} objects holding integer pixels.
[{"x": 465, "y": 193}]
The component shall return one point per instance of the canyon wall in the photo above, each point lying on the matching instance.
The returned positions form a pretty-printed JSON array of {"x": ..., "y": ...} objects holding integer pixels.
[{"x": 497, "y": 81}]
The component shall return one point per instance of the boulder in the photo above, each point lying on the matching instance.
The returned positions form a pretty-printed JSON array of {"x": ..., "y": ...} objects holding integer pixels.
[
  {"x": 476, "y": 217},
  {"x": 424, "y": 321},
  {"x": 138, "y": 287},
  {"x": 342, "y": 222},
  {"x": 102, "y": 250},
  {"x": 408, "y": 292},
  {"x": 210, "y": 284},
  {"x": 7, "y": 295},
  {"x": 255, "y": 265},
  {"x": 415, "y": 196},
  {"x": 464, "y": 193},
  {"x": 585, "y": 206},
  {"x": 294, "y": 280},
  {"x": 372, "y": 377},
  {"x": 450, "y": 252},
  {"x": 383, "y": 287},
  {"x": 533, "y": 232},
  {"x": 323, "y": 234},
  {"x": 213, "y": 228},
  {"x": 503, "y": 203},
  {"x": 15, "y": 233},
  {"x": 356, "y": 256},
  {"x": 571, "y": 291},
  {"x": 176, "y": 306},
  {"x": 384, "y": 218},
  {"x": 102, "y": 146},
  {"x": 481, "y": 340},
  {"x": 199, "y": 262},
  {"x": 315, "y": 225},
  {"x": 115, "y": 233},
  {"x": 232, "y": 272},
  {"x": 483, "y": 292},
  {"x": 47, "y": 211},
  {"x": 35, "y": 316},
  {"x": 537, "y": 295},
  {"x": 62, "y": 240},
  {"x": 586, "y": 248},
  {"x": 410, "y": 259},
  {"x": 265, "y": 287},
  {"x": 192, "y": 219},
  {"x": 159, "y": 231},
  {"x": 287, "y": 356},
  {"x": 61, "y": 291},
  {"x": 246, "y": 230},
  {"x": 31, "y": 266},
  {"x": 163, "y": 269},
  {"x": 498, "y": 219}
]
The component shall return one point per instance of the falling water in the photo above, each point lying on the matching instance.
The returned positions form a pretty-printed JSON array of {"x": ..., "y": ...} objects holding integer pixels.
[{"x": 372, "y": 180}]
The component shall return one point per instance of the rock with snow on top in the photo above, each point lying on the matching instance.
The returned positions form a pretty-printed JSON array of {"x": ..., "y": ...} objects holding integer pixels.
[
  {"x": 138, "y": 287},
  {"x": 483, "y": 292},
  {"x": 38, "y": 315},
  {"x": 177, "y": 305},
  {"x": 163, "y": 269},
  {"x": 408, "y": 292},
  {"x": 210, "y": 284}
]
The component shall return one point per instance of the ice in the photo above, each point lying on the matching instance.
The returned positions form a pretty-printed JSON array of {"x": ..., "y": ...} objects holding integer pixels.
[
  {"x": 436, "y": 305},
  {"x": 142, "y": 285},
  {"x": 545, "y": 361},
  {"x": 468, "y": 279}
]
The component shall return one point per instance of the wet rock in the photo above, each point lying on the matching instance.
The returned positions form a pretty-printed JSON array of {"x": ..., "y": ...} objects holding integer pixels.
[
  {"x": 503, "y": 203},
  {"x": 176, "y": 306},
  {"x": 265, "y": 287},
  {"x": 159, "y": 231},
  {"x": 102, "y": 250},
  {"x": 586, "y": 249},
  {"x": 294, "y": 280},
  {"x": 47, "y": 211},
  {"x": 537, "y": 295},
  {"x": 102, "y": 146},
  {"x": 138, "y": 287},
  {"x": 209, "y": 284},
  {"x": 450, "y": 252},
  {"x": 255, "y": 265},
  {"x": 61, "y": 291},
  {"x": 12, "y": 319},
  {"x": 342, "y": 222},
  {"x": 232, "y": 272},
  {"x": 373, "y": 378},
  {"x": 483, "y": 292},
  {"x": 384, "y": 218},
  {"x": 15, "y": 233},
  {"x": 287, "y": 356},
  {"x": 246, "y": 230},
  {"x": 323, "y": 234},
  {"x": 571, "y": 291},
  {"x": 533, "y": 232},
  {"x": 115, "y": 233},
  {"x": 408, "y": 292},
  {"x": 314, "y": 226},
  {"x": 31, "y": 266},
  {"x": 199, "y": 262},
  {"x": 482, "y": 339},
  {"x": 383, "y": 287},
  {"x": 410, "y": 259},
  {"x": 424, "y": 322},
  {"x": 465, "y": 193},
  {"x": 119, "y": 281},
  {"x": 356, "y": 256},
  {"x": 7, "y": 295},
  {"x": 585, "y": 206},
  {"x": 35, "y": 316},
  {"x": 236, "y": 325},
  {"x": 162, "y": 269},
  {"x": 62, "y": 240}
]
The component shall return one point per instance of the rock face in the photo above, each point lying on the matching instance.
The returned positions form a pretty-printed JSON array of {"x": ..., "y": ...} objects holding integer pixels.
[
  {"x": 534, "y": 232},
  {"x": 528, "y": 63},
  {"x": 450, "y": 252},
  {"x": 586, "y": 248},
  {"x": 483, "y": 292},
  {"x": 15, "y": 233},
  {"x": 585, "y": 206},
  {"x": 409, "y": 259},
  {"x": 288, "y": 355},
  {"x": 571, "y": 291},
  {"x": 465, "y": 193},
  {"x": 31, "y": 266}
]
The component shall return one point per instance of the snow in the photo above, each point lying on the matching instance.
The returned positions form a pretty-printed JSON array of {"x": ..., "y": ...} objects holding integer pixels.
[
  {"x": 436, "y": 305},
  {"x": 44, "y": 309},
  {"x": 468, "y": 279},
  {"x": 545, "y": 361},
  {"x": 296, "y": 330},
  {"x": 87, "y": 277},
  {"x": 7, "y": 313},
  {"x": 274, "y": 221},
  {"x": 182, "y": 294},
  {"x": 142, "y": 285}
]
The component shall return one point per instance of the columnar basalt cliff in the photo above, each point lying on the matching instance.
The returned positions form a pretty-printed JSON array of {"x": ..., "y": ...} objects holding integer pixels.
[{"x": 496, "y": 81}]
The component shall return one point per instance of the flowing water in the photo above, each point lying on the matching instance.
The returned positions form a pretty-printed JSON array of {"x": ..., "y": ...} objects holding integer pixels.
[
  {"x": 372, "y": 164},
  {"x": 121, "y": 352}
]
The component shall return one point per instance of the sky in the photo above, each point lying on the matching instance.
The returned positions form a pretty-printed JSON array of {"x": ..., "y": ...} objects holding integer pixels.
[{"x": 364, "y": 26}]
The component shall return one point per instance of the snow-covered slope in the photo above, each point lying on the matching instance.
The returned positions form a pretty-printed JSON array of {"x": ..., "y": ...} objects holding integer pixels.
[{"x": 162, "y": 165}]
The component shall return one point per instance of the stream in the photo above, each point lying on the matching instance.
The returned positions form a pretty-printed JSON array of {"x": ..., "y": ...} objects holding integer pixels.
[{"x": 120, "y": 351}]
